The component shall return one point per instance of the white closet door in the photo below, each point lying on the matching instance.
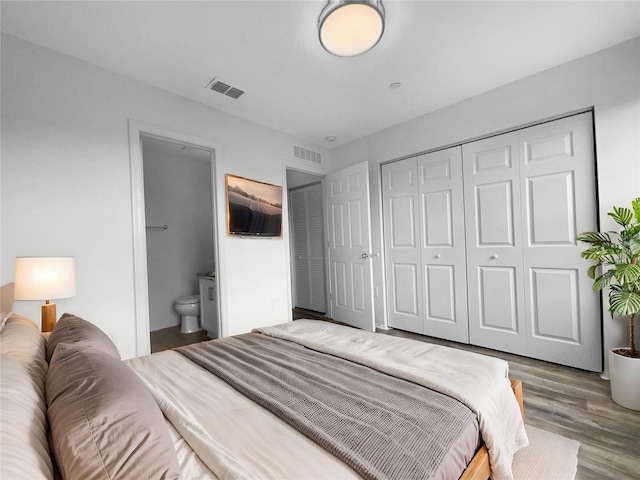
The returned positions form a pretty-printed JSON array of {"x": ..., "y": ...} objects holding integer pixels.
[
  {"x": 316, "y": 248},
  {"x": 298, "y": 208},
  {"x": 307, "y": 230},
  {"x": 558, "y": 189},
  {"x": 528, "y": 194},
  {"x": 494, "y": 245},
  {"x": 442, "y": 235},
  {"x": 402, "y": 245}
]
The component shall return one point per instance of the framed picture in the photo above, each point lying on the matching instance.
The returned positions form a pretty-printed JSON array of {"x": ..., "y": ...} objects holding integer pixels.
[{"x": 254, "y": 208}]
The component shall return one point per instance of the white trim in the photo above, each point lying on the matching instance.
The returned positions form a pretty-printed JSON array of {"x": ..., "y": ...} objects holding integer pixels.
[{"x": 141, "y": 292}]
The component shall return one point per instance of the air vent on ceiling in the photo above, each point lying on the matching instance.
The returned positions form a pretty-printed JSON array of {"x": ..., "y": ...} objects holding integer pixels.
[
  {"x": 306, "y": 154},
  {"x": 219, "y": 86}
]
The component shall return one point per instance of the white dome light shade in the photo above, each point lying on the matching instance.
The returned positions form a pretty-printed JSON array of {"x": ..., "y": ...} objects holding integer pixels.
[{"x": 352, "y": 28}]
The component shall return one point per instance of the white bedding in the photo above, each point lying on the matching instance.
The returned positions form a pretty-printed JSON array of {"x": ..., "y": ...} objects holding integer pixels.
[
  {"x": 479, "y": 381},
  {"x": 24, "y": 449},
  {"x": 232, "y": 435},
  {"x": 191, "y": 466},
  {"x": 216, "y": 421}
]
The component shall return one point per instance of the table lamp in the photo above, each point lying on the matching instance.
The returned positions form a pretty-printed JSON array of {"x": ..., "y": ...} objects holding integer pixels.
[{"x": 45, "y": 278}]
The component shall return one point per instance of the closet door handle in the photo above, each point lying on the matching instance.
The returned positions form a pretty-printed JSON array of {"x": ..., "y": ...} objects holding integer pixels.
[{"x": 211, "y": 294}]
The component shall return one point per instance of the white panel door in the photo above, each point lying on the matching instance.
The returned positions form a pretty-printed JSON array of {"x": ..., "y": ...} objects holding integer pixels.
[
  {"x": 527, "y": 195},
  {"x": 442, "y": 245},
  {"x": 402, "y": 245},
  {"x": 558, "y": 189},
  {"x": 494, "y": 246},
  {"x": 348, "y": 216}
]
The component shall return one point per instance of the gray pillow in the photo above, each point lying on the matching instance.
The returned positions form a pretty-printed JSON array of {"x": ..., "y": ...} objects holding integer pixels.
[
  {"x": 71, "y": 329},
  {"x": 105, "y": 424}
]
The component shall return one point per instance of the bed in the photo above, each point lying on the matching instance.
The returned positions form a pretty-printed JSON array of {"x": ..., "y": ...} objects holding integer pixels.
[{"x": 305, "y": 399}]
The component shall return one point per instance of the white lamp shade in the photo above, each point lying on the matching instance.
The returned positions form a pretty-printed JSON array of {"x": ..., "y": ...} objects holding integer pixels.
[
  {"x": 348, "y": 29},
  {"x": 44, "y": 278}
]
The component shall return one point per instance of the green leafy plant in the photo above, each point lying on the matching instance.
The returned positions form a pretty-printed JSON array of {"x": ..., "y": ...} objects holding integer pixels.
[{"x": 616, "y": 256}]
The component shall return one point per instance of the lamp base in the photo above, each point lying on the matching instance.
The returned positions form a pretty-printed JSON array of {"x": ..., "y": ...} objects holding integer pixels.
[{"x": 48, "y": 316}]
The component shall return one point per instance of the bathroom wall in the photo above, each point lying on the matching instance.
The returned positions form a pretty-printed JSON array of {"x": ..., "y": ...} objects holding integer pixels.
[{"x": 177, "y": 191}]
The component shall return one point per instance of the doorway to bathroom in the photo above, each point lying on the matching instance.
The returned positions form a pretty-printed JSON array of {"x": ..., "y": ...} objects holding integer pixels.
[
  {"x": 178, "y": 200},
  {"x": 138, "y": 132}
]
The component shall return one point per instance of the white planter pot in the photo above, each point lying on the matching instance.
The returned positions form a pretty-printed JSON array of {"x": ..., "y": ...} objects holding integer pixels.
[{"x": 624, "y": 374}]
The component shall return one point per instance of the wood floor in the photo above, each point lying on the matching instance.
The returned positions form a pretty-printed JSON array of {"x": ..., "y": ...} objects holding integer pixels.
[
  {"x": 171, "y": 337},
  {"x": 573, "y": 403}
]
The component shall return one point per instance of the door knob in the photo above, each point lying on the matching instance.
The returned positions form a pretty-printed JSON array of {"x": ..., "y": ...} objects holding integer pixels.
[
  {"x": 437, "y": 255},
  {"x": 365, "y": 255},
  {"x": 493, "y": 257}
]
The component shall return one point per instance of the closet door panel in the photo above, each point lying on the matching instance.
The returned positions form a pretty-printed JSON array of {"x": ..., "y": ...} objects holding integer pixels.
[
  {"x": 438, "y": 219},
  {"x": 498, "y": 299},
  {"x": 555, "y": 308},
  {"x": 442, "y": 248},
  {"x": 308, "y": 244},
  {"x": 494, "y": 246},
  {"x": 558, "y": 184},
  {"x": 298, "y": 202},
  {"x": 441, "y": 294},
  {"x": 494, "y": 216},
  {"x": 316, "y": 244},
  {"x": 402, "y": 245},
  {"x": 551, "y": 209},
  {"x": 406, "y": 300}
]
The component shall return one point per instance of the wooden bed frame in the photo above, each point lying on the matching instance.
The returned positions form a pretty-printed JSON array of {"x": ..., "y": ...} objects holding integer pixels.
[{"x": 478, "y": 468}]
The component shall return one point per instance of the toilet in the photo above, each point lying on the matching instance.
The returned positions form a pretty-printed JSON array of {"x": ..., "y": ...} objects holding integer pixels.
[{"x": 189, "y": 309}]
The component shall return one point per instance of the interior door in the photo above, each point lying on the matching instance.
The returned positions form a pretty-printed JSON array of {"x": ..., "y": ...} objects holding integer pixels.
[
  {"x": 557, "y": 181},
  {"x": 442, "y": 235},
  {"x": 402, "y": 245},
  {"x": 348, "y": 215},
  {"x": 494, "y": 247}
]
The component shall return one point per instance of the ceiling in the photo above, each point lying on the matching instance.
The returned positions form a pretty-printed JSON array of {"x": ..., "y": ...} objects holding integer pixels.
[{"x": 441, "y": 52}]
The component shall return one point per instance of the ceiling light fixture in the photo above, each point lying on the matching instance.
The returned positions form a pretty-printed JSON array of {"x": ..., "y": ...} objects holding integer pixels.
[{"x": 347, "y": 28}]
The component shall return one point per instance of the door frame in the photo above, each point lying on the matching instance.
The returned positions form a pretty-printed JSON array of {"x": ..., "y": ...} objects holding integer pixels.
[
  {"x": 305, "y": 167},
  {"x": 140, "y": 273}
]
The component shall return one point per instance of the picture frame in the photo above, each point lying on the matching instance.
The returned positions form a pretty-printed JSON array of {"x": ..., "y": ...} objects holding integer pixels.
[{"x": 254, "y": 208}]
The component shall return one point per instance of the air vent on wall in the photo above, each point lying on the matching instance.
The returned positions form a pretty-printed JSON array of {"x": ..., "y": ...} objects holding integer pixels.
[
  {"x": 219, "y": 86},
  {"x": 306, "y": 154}
]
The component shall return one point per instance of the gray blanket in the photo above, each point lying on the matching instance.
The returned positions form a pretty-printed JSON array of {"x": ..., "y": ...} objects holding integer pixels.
[{"x": 379, "y": 425}]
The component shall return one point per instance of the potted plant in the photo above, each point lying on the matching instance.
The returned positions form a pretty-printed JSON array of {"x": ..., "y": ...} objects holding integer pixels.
[{"x": 616, "y": 257}]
